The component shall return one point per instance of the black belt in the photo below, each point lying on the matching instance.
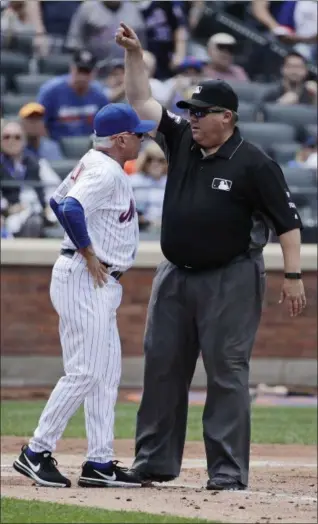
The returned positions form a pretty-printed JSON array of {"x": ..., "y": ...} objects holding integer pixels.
[
  {"x": 253, "y": 253},
  {"x": 71, "y": 252}
]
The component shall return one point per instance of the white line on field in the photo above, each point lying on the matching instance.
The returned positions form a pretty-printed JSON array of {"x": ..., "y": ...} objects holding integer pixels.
[
  {"x": 201, "y": 464},
  {"x": 300, "y": 498}
]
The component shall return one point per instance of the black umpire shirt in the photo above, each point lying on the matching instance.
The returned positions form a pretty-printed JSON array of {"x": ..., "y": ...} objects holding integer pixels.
[{"x": 211, "y": 201}]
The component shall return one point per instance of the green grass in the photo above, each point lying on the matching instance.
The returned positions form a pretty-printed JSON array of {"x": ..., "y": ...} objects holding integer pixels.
[
  {"x": 272, "y": 425},
  {"x": 17, "y": 511}
]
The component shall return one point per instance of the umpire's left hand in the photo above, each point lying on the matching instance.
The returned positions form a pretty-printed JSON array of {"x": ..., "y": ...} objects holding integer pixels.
[{"x": 293, "y": 291}]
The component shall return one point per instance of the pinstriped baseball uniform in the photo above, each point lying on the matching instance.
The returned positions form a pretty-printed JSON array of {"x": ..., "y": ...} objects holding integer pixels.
[{"x": 87, "y": 316}]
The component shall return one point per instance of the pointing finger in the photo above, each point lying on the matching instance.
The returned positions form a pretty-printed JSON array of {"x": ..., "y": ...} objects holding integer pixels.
[{"x": 125, "y": 27}]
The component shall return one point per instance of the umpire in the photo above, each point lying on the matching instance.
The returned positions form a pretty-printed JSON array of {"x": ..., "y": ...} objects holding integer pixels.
[{"x": 221, "y": 194}]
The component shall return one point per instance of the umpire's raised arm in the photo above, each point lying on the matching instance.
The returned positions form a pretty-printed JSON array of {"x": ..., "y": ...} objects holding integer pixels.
[{"x": 137, "y": 85}]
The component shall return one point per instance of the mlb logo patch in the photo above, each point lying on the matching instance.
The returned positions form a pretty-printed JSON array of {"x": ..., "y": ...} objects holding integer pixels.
[
  {"x": 222, "y": 184},
  {"x": 197, "y": 90}
]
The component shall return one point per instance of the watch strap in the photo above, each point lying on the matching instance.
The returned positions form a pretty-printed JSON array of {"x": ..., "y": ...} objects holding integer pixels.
[{"x": 293, "y": 276}]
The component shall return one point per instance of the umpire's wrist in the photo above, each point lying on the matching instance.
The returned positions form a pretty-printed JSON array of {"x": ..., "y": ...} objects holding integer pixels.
[{"x": 293, "y": 275}]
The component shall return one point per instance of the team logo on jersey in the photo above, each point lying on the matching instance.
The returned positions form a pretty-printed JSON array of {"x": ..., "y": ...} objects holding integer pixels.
[
  {"x": 174, "y": 117},
  {"x": 221, "y": 184},
  {"x": 127, "y": 216}
]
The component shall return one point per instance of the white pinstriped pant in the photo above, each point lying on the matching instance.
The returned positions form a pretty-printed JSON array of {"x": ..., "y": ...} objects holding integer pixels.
[{"x": 91, "y": 358}]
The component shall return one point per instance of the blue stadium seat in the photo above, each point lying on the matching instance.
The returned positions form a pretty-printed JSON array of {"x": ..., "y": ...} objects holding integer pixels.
[
  {"x": 312, "y": 130},
  {"x": 247, "y": 112},
  {"x": 64, "y": 167},
  {"x": 13, "y": 63},
  {"x": 2, "y": 84},
  {"x": 11, "y": 104},
  {"x": 30, "y": 84},
  {"x": 249, "y": 91},
  {"x": 267, "y": 133},
  {"x": 300, "y": 179},
  {"x": 75, "y": 146},
  {"x": 55, "y": 64},
  {"x": 284, "y": 153},
  {"x": 295, "y": 115}
]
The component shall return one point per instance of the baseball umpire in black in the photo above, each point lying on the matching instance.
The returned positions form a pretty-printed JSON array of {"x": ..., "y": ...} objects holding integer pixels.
[{"x": 222, "y": 193}]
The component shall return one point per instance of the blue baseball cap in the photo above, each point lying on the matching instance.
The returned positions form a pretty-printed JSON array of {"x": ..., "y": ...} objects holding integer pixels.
[
  {"x": 114, "y": 119},
  {"x": 191, "y": 62}
]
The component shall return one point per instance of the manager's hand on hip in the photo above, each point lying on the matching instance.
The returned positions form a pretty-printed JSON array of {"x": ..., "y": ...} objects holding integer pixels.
[
  {"x": 94, "y": 266},
  {"x": 127, "y": 38},
  {"x": 293, "y": 292}
]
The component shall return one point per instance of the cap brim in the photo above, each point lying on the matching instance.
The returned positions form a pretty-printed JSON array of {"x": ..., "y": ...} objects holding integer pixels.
[
  {"x": 145, "y": 126},
  {"x": 192, "y": 102}
]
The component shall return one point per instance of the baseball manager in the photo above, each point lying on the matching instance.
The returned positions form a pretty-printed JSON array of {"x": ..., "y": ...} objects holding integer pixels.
[{"x": 221, "y": 196}]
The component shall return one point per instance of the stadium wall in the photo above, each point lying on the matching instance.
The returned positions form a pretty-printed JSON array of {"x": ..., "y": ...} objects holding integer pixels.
[{"x": 285, "y": 351}]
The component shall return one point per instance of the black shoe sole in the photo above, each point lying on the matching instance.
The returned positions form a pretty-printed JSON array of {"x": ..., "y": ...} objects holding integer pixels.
[
  {"x": 87, "y": 482},
  {"x": 218, "y": 487},
  {"x": 27, "y": 472}
]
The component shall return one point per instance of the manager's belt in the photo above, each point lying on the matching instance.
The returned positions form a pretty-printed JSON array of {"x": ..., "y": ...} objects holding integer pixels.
[{"x": 71, "y": 252}]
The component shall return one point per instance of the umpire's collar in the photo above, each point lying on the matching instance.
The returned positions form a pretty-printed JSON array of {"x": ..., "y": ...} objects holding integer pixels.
[{"x": 229, "y": 148}]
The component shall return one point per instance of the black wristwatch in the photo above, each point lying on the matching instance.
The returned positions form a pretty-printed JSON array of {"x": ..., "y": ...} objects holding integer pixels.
[{"x": 293, "y": 276}]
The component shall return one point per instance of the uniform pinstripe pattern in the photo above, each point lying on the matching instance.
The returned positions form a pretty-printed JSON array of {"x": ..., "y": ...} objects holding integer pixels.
[
  {"x": 105, "y": 192},
  {"x": 87, "y": 316}
]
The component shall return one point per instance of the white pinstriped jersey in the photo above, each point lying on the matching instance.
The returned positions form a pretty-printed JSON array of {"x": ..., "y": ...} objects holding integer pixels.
[{"x": 101, "y": 186}]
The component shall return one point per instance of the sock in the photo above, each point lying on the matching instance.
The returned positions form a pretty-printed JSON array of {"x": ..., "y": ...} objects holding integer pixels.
[
  {"x": 31, "y": 454},
  {"x": 100, "y": 465}
]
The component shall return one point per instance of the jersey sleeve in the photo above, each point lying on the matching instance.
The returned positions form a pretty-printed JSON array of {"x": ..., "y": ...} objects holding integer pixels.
[
  {"x": 92, "y": 189},
  {"x": 170, "y": 131},
  {"x": 271, "y": 195}
]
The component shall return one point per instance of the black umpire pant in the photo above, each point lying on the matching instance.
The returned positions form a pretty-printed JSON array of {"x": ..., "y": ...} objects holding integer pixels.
[{"x": 217, "y": 312}]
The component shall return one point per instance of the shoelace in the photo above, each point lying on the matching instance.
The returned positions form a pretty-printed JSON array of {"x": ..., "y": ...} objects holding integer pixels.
[
  {"x": 50, "y": 462},
  {"x": 116, "y": 462}
]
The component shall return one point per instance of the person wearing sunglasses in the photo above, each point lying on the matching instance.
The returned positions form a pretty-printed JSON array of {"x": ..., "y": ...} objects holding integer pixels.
[
  {"x": 149, "y": 183},
  {"x": 95, "y": 205},
  {"x": 19, "y": 171},
  {"x": 221, "y": 194}
]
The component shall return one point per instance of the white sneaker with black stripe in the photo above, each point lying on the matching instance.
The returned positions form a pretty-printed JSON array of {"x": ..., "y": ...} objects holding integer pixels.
[
  {"x": 40, "y": 467},
  {"x": 111, "y": 475}
]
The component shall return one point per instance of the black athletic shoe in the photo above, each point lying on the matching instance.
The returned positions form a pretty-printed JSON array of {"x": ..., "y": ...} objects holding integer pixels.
[
  {"x": 110, "y": 476},
  {"x": 223, "y": 483},
  {"x": 41, "y": 468},
  {"x": 148, "y": 478}
]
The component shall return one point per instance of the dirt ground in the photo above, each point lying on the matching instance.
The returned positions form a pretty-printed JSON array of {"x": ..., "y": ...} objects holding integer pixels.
[{"x": 283, "y": 485}]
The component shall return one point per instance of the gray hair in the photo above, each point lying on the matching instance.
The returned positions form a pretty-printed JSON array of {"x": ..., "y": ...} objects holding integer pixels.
[{"x": 101, "y": 141}]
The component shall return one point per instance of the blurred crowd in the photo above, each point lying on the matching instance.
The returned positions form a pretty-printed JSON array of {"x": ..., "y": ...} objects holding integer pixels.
[{"x": 60, "y": 64}]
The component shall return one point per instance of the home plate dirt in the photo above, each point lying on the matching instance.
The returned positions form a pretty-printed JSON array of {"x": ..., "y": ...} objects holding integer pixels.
[{"x": 283, "y": 485}]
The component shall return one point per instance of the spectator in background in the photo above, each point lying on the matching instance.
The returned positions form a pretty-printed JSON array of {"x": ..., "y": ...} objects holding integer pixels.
[
  {"x": 32, "y": 120},
  {"x": 15, "y": 21},
  {"x": 114, "y": 81},
  {"x": 292, "y": 22},
  {"x": 307, "y": 155},
  {"x": 26, "y": 207},
  {"x": 94, "y": 24},
  {"x": 51, "y": 20},
  {"x": 161, "y": 91},
  {"x": 43, "y": 148},
  {"x": 149, "y": 183},
  {"x": 71, "y": 101},
  {"x": 293, "y": 87},
  {"x": 166, "y": 33},
  {"x": 189, "y": 74},
  {"x": 221, "y": 49}
]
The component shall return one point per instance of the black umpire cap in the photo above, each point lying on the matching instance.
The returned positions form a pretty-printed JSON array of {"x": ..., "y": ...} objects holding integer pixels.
[{"x": 212, "y": 93}]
